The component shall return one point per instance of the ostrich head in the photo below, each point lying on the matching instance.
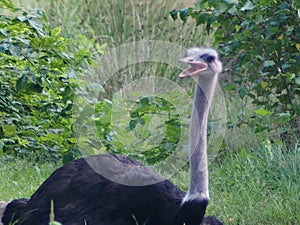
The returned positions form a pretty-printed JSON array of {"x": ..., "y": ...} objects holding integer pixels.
[{"x": 202, "y": 61}]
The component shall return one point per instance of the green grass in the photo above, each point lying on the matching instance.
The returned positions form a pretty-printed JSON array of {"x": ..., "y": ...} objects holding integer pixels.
[
  {"x": 258, "y": 187},
  {"x": 20, "y": 178}
]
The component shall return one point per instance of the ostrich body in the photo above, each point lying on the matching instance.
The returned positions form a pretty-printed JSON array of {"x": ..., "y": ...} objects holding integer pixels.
[{"x": 81, "y": 195}]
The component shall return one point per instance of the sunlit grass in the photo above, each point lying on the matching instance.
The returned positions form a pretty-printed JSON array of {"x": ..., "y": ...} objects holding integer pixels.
[
  {"x": 20, "y": 178},
  {"x": 258, "y": 186}
]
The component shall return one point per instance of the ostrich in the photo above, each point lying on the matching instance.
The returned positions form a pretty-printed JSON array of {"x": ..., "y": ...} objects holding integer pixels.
[{"x": 83, "y": 196}]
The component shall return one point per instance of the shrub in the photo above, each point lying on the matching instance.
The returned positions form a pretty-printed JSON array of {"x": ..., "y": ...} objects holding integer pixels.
[{"x": 38, "y": 77}]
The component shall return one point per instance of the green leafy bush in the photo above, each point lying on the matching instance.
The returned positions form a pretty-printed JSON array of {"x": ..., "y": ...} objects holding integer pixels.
[
  {"x": 155, "y": 127},
  {"x": 261, "y": 41},
  {"x": 146, "y": 129},
  {"x": 38, "y": 77}
]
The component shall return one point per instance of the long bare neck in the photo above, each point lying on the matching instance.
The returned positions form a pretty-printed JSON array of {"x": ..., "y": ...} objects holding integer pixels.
[{"x": 198, "y": 189}]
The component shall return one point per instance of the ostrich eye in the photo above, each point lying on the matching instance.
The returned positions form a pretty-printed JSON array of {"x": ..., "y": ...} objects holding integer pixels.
[{"x": 208, "y": 58}]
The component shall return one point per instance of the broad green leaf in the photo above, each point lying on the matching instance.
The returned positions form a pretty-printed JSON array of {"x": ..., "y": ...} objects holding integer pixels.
[
  {"x": 230, "y": 87},
  {"x": 37, "y": 26},
  {"x": 290, "y": 76},
  {"x": 233, "y": 10},
  {"x": 248, "y": 6},
  {"x": 269, "y": 63},
  {"x": 221, "y": 9},
  {"x": 132, "y": 124},
  {"x": 286, "y": 66},
  {"x": 141, "y": 121},
  {"x": 22, "y": 83},
  {"x": 243, "y": 91},
  {"x": 23, "y": 142},
  {"x": 174, "y": 14},
  {"x": 232, "y": 1},
  {"x": 184, "y": 13},
  {"x": 237, "y": 28},
  {"x": 7, "y": 3},
  {"x": 101, "y": 48},
  {"x": 9, "y": 130},
  {"x": 56, "y": 32},
  {"x": 201, "y": 18},
  {"x": 281, "y": 130},
  {"x": 283, "y": 117},
  {"x": 259, "y": 19},
  {"x": 263, "y": 112},
  {"x": 134, "y": 114},
  {"x": 23, "y": 18},
  {"x": 16, "y": 50},
  {"x": 145, "y": 101}
]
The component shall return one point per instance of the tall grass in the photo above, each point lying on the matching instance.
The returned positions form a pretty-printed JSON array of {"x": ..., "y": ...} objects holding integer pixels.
[
  {"x": 259, "y": 186},
  {"x": 19, "y": 178},
  {"x": 118, "y": 22}
]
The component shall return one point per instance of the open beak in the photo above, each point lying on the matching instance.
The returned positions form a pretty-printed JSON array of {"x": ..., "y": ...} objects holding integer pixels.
[{"x": 195, "y": 67}]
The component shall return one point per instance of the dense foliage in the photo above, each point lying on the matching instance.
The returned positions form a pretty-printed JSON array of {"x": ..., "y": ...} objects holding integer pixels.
[
  {"x": 44, "y": 100},
  {"x": 147, "y": 128},
  {"x": 261, "y": 41},
  {"x": 38, "y": 76}
]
